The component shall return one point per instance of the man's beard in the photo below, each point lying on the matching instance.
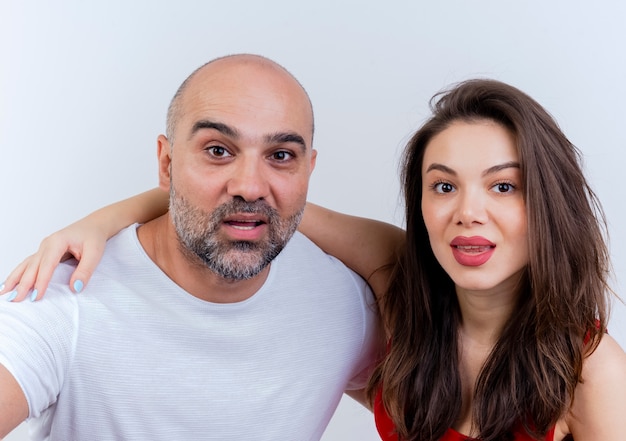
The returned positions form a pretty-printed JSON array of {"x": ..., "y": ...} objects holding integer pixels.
[{"x": 198, "y": 234}]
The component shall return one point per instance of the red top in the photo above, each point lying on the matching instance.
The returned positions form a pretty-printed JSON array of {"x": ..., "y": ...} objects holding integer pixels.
[{"x": 386, "y": 428}]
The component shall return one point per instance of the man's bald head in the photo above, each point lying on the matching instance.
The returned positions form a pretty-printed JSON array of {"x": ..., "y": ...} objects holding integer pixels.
[{"x": 224, "y": 66}]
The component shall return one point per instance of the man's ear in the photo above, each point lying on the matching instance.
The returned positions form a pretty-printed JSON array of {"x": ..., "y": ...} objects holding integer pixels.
[
  {"x": 313, "y": 160},
  {"x": 164, "y": 153}
]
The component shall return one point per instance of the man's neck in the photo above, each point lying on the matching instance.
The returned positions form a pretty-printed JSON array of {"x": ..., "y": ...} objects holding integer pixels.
[{"x": 159, "y": 240}]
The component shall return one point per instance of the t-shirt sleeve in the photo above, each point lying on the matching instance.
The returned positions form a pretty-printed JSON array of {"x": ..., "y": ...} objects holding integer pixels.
[
  {"x": 36, "y": 344},
  {"x": 373, "y": 338}
]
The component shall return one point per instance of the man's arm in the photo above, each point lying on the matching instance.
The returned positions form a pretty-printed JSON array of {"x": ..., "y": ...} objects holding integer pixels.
[{"x": 13, "y": 404}]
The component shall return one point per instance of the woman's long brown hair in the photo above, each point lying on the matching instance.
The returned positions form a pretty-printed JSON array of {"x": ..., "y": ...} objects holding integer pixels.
[{"x": 530, "y": 376}]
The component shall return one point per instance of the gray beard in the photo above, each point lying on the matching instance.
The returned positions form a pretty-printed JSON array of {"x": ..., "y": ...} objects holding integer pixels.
[{"x": 198, "y": 236}]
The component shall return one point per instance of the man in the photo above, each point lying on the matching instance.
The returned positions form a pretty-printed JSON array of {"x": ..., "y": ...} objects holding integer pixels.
[{"x": 186, "y": 331}]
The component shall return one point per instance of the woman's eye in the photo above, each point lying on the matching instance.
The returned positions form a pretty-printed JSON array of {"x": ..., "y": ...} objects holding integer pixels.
[
  {"x": 503, "y": 187},
  {"x": 443, "y": 187}
]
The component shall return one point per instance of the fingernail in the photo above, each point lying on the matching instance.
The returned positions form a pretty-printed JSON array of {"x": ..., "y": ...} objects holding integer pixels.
[
  {"x": 33, "y": 295},
  {"x": 78, "y": 286},
  {"x": 2, "y": 287},
  {"x": 12, "y": 296}
]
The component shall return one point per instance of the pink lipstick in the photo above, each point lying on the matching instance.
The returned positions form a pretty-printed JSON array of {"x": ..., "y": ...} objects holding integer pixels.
[{"x": 472, "y": 251}]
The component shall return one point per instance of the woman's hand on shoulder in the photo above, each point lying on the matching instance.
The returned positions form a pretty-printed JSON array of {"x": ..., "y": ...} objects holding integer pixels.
[
  {"x": 84, "y": 240},
  {"x": 81, "y": 240},
  {"x": 599, "y": 408}
]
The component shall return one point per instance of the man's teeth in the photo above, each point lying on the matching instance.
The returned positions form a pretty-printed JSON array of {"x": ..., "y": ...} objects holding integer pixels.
[
  {"x": 244, "y": 227},
  {"x": 244, "y": 224}
]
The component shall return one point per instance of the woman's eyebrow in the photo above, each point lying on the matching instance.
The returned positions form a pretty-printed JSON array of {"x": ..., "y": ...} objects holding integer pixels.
[
  {"x": 440, "y": 167},
  {"x": 499, "y": 167},
  {"x": 490, "y": 170}
]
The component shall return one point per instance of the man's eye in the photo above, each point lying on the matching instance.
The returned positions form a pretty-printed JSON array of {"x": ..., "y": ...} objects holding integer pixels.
[
  {"x": 281, "y": 155},
  {"x": 218, "y": 151}
]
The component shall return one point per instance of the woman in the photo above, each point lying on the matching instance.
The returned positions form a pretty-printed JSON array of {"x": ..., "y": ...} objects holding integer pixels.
[
  {"x": 497, "y": 330},
  {"x": 504, "y": 315}
]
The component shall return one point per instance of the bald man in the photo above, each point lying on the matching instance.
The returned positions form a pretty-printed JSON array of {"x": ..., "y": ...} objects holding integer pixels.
[{"x": 216, "y": 321}]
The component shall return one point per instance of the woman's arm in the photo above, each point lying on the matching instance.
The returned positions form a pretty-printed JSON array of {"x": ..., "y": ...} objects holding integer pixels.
[
  {"x": 367, "y": 246},
  {"x": 85, "y": 240}
]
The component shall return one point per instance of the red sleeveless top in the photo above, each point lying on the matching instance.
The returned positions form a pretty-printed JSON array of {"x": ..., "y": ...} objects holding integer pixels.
[{"x": 386, "y": 428}]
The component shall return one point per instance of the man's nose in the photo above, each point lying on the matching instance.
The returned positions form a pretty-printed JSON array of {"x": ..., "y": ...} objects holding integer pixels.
[{"x": 249, "y": 180}]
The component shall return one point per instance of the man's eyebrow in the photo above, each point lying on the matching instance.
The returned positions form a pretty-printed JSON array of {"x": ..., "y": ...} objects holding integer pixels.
[
  {"x": 286, "y": 137},
  {"x": 220, "y": 127},
  {"x": 276, "y": 138},
  {"x": 497, "y": 168}
]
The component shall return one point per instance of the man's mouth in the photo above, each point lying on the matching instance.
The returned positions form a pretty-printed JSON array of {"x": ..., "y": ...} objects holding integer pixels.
[{"x": 245, "y": 224}]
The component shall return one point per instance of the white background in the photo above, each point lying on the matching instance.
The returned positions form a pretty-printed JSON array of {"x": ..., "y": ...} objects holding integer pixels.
[{"x": 84, "y": 87}]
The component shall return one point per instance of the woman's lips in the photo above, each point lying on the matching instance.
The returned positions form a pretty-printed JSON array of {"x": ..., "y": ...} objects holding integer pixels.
[{"x": 472, "y": 251}]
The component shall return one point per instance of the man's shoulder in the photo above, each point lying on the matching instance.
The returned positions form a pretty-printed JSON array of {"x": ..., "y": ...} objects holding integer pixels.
[
  {"x": 308, "y": 261},
  {"x": 123, "y": 241},
  {"x": 119, "y": 254},
  {"x": 302, "y": 249}
]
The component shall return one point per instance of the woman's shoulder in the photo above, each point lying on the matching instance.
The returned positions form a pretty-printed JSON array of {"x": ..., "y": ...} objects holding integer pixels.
[
  {"x": 599, "y": 409},
  {"x": 604, "y": 367}
]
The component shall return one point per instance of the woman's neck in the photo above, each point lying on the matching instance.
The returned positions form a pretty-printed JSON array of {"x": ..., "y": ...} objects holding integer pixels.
[
  {"x": 485, "y": 313},
  {"x": 483, "y": 316}
]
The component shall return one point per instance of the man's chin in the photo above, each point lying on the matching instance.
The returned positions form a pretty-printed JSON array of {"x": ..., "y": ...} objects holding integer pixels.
[{"x": 237, "y": 265}]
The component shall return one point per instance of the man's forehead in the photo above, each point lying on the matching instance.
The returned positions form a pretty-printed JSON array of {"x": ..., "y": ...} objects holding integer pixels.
[{"x": 245, "y": 111}]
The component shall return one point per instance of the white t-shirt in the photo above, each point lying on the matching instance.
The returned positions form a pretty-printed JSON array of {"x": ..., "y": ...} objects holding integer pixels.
[{"x": 135, "y": 357}]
